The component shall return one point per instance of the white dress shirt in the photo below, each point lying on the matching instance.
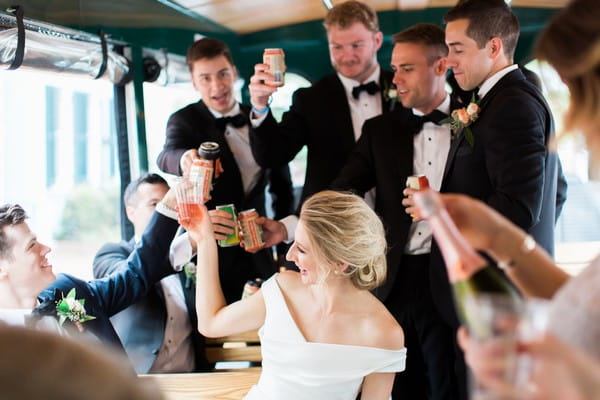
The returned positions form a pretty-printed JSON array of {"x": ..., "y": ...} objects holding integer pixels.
[
  {"x": 238, "y": 140},
  {"x": 431, "y": 147},
  {"x": 365, "y": 107},
  {"x": 489, "y": 83}
]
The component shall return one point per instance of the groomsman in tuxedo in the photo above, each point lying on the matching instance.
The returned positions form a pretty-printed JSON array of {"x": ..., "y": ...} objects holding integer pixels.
[
  {"x": 392, "y": 147},
  {"x": 218, "y": 117},
  {"x": 328, "y": 116},
  {"x": 159, "y": 331},
  {"x": 31, "y": 290},
  {"x": 505, "y": 156}
]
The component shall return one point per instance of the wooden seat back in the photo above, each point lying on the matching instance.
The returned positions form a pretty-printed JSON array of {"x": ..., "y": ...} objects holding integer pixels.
[{"x": 240, "y": 347}]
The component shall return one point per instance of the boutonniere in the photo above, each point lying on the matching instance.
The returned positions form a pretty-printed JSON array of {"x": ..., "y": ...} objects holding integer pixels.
[
  {"x": 72, "y": 309},
  {"x": 390, "y": 94},
  {"x": 463, "y": 117},
  {"x": 189, "y": 269}
]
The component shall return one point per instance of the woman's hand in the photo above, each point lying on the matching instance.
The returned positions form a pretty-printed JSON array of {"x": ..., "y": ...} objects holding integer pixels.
[
  {"x": 198, "y": 225},
  {"x": 479, "y": 223}
]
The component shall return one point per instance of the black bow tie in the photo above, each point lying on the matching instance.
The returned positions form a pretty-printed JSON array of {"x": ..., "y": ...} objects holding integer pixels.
[
  {"x": 237, "y": 121},
  {"x": 370, "y": 87},
  {"x": 436, "y": 116}
]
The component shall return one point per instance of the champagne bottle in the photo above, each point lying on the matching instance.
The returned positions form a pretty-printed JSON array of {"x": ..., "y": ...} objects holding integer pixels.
[{"x": 470, "y": 274}]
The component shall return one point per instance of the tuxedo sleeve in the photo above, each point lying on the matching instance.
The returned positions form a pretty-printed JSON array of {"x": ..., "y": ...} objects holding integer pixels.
[
  {"x": 282, "y": 192},
  {"x": 179, "y": 139},
  {"x": 147, "y": 264},
  {"x": 110, "y": 258},
  {"x": 358, "y": 174},
  {"x": 515, "y": 157},
  {"x": 275, "y": 144}
]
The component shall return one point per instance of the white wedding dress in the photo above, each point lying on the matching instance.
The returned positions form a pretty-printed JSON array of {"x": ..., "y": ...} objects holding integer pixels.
[
  {"x": 294, "y": 369},
  {"x": 575, "y": 311}
]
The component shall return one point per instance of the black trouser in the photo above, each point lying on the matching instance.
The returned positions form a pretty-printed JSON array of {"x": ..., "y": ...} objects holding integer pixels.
[{"x": 428, "y": 339}]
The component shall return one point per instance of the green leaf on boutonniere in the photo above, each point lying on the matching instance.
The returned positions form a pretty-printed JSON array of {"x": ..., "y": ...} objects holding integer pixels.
[{"x": 69, "y": 308}]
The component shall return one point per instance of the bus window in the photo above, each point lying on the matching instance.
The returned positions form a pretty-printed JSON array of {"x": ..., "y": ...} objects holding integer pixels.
[
  {"x": 58, "y": 159},
  {"x": 577, "y": 239},
  {"x": 282, "y": 100}
]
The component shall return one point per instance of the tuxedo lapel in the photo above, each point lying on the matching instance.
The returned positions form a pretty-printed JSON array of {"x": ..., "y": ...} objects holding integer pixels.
[
  {"x": 340, "y": 111},
  {"x": 385, "y": 83},
  {"x": 228, "y": 162},
  {"x": 456, "y": 141}
]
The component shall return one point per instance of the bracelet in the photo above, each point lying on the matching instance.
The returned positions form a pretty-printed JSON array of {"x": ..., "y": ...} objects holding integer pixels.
[
  {"x": 260, "y": 112},
  {"x": 526, "y": 247}
]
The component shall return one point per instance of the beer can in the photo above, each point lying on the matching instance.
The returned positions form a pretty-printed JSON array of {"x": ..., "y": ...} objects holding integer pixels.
[
  {"x": 276, "y": 61},
  {"x": 234, "y": 238},
  {"x": 201, "y": 174},
  {"x": 209, "y": 150},
  {"x": 417, "y": 182},
  {"x": 202, "y": 171},
  {"x": 252, "y": 232}
]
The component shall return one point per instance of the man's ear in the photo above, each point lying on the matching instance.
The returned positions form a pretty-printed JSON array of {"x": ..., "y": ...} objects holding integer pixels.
[
  {"x": 495, "y": 46},
  {"x": 441, "y": 66},
  {"x": 130, "y": 211}
]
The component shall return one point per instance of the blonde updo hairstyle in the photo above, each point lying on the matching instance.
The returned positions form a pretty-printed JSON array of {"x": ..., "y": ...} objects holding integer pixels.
[
  {"x": 342, "y": 229},
  {"x": 571, "y": 44}
]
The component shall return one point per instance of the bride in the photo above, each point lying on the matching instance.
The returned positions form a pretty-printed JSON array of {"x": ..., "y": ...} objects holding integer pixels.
[{"x": 323, "y": 334}]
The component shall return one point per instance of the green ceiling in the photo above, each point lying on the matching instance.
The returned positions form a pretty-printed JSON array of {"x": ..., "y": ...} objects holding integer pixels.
[{"x": 161, "y": 24}]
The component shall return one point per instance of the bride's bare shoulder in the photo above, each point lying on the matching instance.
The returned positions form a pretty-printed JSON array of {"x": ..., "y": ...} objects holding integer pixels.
[
  {"x": 288, "y": 280},
  {"x": 385, "y": 331}
]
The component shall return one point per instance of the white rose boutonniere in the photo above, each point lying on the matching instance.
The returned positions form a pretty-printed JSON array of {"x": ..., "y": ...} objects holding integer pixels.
[
  {"x": 72, "y": 309},
  {"x": 390, "y": 94},
  {"x": 462, "y": 118}
]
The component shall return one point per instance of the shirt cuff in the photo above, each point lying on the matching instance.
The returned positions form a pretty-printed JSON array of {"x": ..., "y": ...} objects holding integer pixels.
[
  {"x": 255, "y": 122},
  {"x": 180, "y": 252},
  {"x": 166, "y": 211},
  {"x": 290, "y": 223}
]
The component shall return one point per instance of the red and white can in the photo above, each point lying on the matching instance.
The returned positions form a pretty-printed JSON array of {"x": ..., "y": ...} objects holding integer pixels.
[
  {"x": 417, "y": 182},
  {"x": 201, "y": 174},
  {"x": 275, "y": 58},
  {"x": 252, "y": 232}
]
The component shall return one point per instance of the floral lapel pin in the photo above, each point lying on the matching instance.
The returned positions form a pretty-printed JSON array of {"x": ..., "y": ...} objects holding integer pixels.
[
  {"x": 72, "y": 309},
  {"x": 461, "y": 118},
  {"x": 189, "y": 269}
]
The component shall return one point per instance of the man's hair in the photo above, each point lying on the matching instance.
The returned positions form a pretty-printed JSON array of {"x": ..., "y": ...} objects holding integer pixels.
[
  {"x": 428, "y": 35},
  {"x": 10, "y": 214},
  {"x": 347, "y": 13},
  {"x": 152, "y": 179},
  {"x": 207, "y": 48},
  {"x": 488, "y": 19}
]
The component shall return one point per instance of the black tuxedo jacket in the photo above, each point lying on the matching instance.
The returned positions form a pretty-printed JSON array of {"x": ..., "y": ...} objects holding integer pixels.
[
  {"x": 320, "y": 119},
  {"x": 141, "y": 326},
  {"x": 146, "y": 265},
  {"x": 510, "y": 167},
  {"x": 187, "y": 129}
]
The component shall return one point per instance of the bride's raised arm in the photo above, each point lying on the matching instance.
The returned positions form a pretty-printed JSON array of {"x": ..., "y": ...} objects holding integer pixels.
[{"x": 215, "y": 317}]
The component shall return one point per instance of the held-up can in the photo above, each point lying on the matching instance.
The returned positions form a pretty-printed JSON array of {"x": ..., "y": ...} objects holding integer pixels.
[
  {"x": 417, "y": 182},
  {"x": 203, "y": 169},
  {"x": 234, "y": 238},
  {"x": 251, "y": 287},
  {"x": 276, "y": 61},
  {"x": 252, "y": 232}
]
